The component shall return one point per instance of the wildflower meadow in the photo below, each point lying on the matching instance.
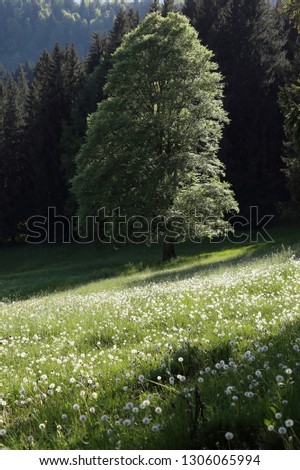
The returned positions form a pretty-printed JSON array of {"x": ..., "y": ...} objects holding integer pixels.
[{"x": 203, "y": 353}]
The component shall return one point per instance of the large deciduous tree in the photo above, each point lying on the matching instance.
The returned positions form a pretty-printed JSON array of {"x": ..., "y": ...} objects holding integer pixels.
[{"x": 151, "y": 147}]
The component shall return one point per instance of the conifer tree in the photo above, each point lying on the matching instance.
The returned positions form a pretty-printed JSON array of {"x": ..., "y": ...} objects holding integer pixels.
[
  {"x": 133, "y": 18},
  {"x": 96, "y": 52},
  {"x": 73, "y": 75},
  {"x": 289, "y": 99},
  {"x": 56, "y": 84},
  {"x": 167, "y": 7},
  {"x": 120, "y": 28},
  {"x": 23, "y": 89},
  {"x": 2, "y": 91},
  {"x": 249, "y": 39},
  {"x": 155, "y": 6},
  {"x": 14, "y": 174}
]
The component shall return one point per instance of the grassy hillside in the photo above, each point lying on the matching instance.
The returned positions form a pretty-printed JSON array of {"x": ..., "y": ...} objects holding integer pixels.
[{"x": 113, "y": 349}]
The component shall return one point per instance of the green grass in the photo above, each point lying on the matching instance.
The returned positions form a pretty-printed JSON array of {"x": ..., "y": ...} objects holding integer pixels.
[
  {"x": 154, "y": 355},
  {"x": 27, "y": 271}
]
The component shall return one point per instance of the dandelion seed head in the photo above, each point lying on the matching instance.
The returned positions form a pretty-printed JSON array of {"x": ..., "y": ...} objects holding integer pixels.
[
  {"x": 282, "y": 430},
  {"x": 155, "y": 428},
  {"x": 129, "y": 406},
  {"x": 289, "y": 423}
]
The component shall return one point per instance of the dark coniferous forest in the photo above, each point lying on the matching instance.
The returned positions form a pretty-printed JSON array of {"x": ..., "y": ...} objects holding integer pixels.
[{"x": 56, "y": 56}]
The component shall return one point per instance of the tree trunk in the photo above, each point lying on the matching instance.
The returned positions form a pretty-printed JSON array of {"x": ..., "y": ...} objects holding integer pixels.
[{"x": 168, "y": 251}]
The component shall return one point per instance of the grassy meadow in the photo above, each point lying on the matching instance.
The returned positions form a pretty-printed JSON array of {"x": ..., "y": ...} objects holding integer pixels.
[{"x": 105, "y": 348}]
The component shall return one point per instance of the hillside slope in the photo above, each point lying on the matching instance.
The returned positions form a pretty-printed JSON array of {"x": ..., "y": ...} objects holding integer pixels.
[
  {"x": 188, "y": 355},
  {"x": 26, "y": 27}
]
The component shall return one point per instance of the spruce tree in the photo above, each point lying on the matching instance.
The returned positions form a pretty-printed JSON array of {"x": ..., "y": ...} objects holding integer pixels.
[
  {"x": 14, "y": 172},
  {"x": 290, "y": 102},
  {"x": 23, "y": 88},
  {"x": 73, "y": 75},
  {"x": 57, "y": 81},
  {"x": 120, "y": 28},
  {"x": 35, "y": 129},
  {"x": 249, "y": 39},
  {"x": 2, "y": 91},
  {"x": 167, "y": 7},
  {"x": 155, "y": 6},
  {"x": 96, "y": 52},
  {"x": 133, "y": 18},
  {"x": 289, "y": 99}
]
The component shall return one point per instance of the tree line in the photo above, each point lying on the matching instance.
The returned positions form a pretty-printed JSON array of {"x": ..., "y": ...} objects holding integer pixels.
[
  {"x": 29, "y": 26},
  {"x": 44, "y": 117}
]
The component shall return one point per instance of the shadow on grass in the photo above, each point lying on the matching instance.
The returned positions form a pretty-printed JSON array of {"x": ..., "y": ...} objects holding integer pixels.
[
  {"x": 27, "y": 271},
  {"x": 186, "y": 427},
  {"x": 249, "y": 420},
  {"x": 207, "y": 263},
  {"x": 199, "y": 425}
]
